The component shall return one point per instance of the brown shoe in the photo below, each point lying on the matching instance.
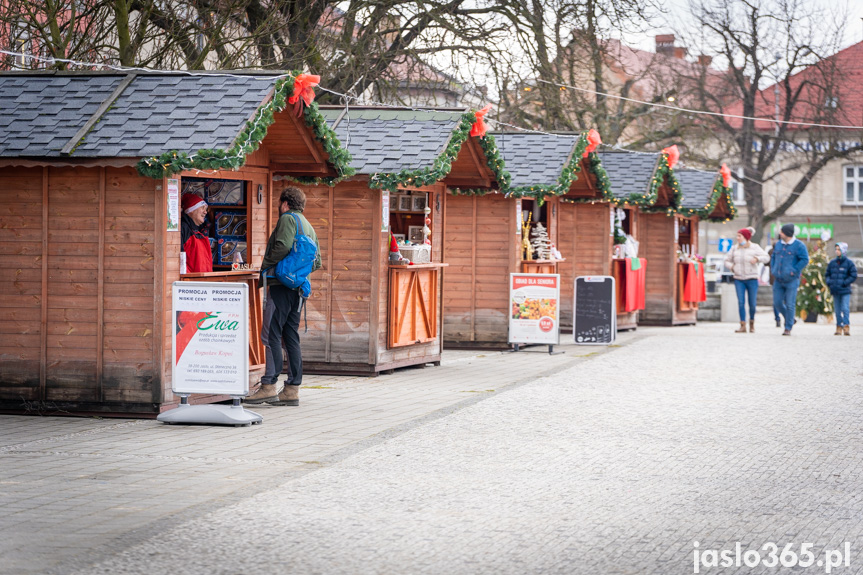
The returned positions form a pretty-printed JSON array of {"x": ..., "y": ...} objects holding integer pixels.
[
  {"x": 786, "y": 332},
  {"x": 751, "y": 326},
  {"x": 265, "y": 393},
  {"x": 742, "y": 328},
  {"x": 290, "y": 395},
  {"x": 839, "y": 330},
  {"x": 847, "y": 330}
]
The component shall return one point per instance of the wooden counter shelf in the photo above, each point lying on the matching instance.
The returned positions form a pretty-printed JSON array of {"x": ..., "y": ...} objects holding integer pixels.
[
  {"x": 540, "y": 266},
  {"x": 413, "y": 304}
]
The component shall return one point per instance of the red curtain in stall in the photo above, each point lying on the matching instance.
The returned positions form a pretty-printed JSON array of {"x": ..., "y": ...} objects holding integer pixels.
[
  {"x": 694, "y": 288},
  {"x": 636, "y": 283}
]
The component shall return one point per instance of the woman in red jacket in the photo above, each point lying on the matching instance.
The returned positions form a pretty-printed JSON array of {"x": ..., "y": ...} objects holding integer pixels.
[{"x": 193, "y": 240}]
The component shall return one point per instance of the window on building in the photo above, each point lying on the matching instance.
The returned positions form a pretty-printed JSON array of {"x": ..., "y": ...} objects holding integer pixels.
[
  {"x": 831, "y": 102},
  {"x": 853, "y": 181},
  {"x": 738, "y": 194}
]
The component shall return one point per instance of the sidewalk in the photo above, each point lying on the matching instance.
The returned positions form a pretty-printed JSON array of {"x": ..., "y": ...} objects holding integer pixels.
[{"x": 73, "y": 489}]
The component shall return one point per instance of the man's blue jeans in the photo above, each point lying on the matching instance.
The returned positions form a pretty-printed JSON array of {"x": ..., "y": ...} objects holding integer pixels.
[
  {"x": 785, "y": 300},
  {"x": 843, "y": 308},
  {"x": 744, "y": 287}
]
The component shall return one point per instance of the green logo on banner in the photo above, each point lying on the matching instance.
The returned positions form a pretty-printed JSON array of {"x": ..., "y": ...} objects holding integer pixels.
[{"x": 805, "y": 231}]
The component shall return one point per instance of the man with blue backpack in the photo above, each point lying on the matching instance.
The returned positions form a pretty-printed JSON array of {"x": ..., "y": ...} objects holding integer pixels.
[{"x": 292, "y": 254}]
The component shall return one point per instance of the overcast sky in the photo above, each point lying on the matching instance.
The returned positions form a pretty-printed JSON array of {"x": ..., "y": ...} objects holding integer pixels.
[{"x": 853, "y": 28}]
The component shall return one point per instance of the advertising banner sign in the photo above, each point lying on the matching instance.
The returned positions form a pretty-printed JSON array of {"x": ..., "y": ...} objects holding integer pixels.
[
  {"x": 173, "y": 205},
  {"x": 534, "y": 311},
  {"x": 806, "y": 231},
  {"x": 210, "y": 339}
]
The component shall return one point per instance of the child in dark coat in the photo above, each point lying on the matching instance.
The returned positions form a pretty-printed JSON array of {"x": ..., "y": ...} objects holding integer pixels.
[{"x": 841, "y": 273}]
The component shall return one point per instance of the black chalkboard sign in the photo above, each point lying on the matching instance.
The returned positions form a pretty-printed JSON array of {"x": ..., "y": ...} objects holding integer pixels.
[{"x": 595, "y": 316}]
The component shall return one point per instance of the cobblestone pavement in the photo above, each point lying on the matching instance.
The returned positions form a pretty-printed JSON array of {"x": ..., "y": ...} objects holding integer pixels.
[
  {"x": 74, "y": 489},
  {"x": 617, "y": 464}
]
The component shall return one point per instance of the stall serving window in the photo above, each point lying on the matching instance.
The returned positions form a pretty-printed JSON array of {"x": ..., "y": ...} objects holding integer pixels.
[
  {"x": 411, "y": 224},
  {"x": 227, "y": 217}
]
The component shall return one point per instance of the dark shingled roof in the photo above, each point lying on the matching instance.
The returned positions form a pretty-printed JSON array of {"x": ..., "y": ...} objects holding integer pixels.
[
  {"x": 39, "y": 114},
  {"x": 534, "y": 159},
  {"x": 152, "y": 115},
  {"x": 629, "y": 173},
  {"x": 696, "y": 186},
  {"x": 391, "y": 140}
]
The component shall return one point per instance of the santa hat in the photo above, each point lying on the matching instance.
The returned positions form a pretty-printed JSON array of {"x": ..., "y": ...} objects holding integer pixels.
[
  {"x": 192, "y": 202},
  {"x": 745, "y": 233}
]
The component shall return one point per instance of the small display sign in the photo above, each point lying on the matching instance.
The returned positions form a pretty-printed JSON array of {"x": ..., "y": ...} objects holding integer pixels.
[
  {"x": 534, "y": 311},
  {"x": 595, "y": 316},
  {"x": 385, "y": 211},
  {"x": 173, "y": 205},
  {"x": 210, "y": 338}
]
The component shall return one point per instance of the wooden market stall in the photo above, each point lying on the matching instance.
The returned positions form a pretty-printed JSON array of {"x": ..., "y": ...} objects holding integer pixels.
[
  {"x": 705, "y": 198},
  {"x": 675, "y": 280},
  {"x": 88, "y": 164},
  {"x": 642, "y": 185},
  {"x": 485, "y": 234},
  {"x": 373, "y": 315}
]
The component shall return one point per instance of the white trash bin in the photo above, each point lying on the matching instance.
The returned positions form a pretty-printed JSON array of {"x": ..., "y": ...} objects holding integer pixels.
[{"x": 728, "y": 303}]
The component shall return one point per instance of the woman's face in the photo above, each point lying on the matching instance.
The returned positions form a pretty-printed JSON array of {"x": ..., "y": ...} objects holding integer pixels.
[
  {"x": 838, "y": 251},
  {"x": 741, "y": 239}
]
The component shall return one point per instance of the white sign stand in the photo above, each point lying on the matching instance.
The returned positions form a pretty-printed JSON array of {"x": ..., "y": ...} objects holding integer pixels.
[
  {"x": 210, "y": 352},
  {"x": 534, "y": 314}
]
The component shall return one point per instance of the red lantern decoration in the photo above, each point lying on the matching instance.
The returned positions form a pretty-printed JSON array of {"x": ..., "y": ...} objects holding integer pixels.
[
  {"x": 725, "y": 172},
  {"x": 673, "y": 155},
  {"x": 303, "y": 91},
  {"x": 593, "y": 142},
  {"x": 479, "y": 127}
]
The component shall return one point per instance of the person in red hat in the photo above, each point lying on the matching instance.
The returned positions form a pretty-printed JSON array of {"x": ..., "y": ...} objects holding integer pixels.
[
  {"x": 743, "y": 260},
  {"x": 194, "y": 240}
]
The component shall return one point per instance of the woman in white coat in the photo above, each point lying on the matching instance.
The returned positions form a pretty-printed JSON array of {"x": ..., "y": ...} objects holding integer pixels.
[{"x": 743, "y": 260}]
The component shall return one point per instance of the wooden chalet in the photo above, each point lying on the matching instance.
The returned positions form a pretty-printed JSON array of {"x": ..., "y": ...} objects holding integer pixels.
[
  {"x": 88, "y": 163},
  {"x": 644, "y": 189},
  {"x": 374, "y": 315},
  {"x": 484, "y": 239},
  {"x": 704, "y": 197}
]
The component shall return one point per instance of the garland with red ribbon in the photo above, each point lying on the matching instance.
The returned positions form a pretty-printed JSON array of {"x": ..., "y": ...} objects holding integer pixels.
[
  {"x": 593, "y": 142},
  {"x": 673, "y": 155},
  {"x": 479, "y": 127},
  {"x": 303, "y": 92},
  {"x": 725, "y": 172}
]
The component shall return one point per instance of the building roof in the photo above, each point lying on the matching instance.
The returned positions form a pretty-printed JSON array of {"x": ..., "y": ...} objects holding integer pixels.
[
  {"x": 629, "y": 173},
  {"x": 697, "y": 187},
  {"x": 842, "y": 104},
  {"x": 130, "y": 116},
  {"x": 382, "y": 140},
  {"x": 535, "y": 159},
  {"x": 40, "y": 114}
]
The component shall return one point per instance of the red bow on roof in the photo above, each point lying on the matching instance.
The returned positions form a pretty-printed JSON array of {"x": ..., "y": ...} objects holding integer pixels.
[
  {"x": 725, "y": 172},
  {"x": 673, "y": 155},
  {"x": 303, "y": 85},
  {"x": 593, "y": 141},
  {"x": 479, "y": 128}
]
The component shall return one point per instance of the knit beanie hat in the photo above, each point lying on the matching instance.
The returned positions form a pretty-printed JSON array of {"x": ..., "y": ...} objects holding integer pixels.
[
  {"x": 843, "y": 247},
  {"x": 788, "y": 230},
  {"x": 192, "y": 202},
  {"x": 745, "y": 233}
]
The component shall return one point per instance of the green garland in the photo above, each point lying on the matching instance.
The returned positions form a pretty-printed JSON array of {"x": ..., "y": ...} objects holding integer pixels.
[
  {"x": 442, "y": 165},
  {"x": 716, "y": 194},
  {"x": 646, "y": 201},
  {"x": 249, "y": 140},
  {"x": 603, "y": 183}
]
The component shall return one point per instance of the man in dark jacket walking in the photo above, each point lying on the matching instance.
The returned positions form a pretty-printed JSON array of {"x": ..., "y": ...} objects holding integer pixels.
[
  {"x": 841, "y": 273},
  {"x": 281, "y": 321},
  {"x": 787, "y": 263}
]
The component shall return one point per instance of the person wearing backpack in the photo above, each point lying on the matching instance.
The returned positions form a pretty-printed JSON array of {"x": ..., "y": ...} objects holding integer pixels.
[{"x": 281, "y": 319}]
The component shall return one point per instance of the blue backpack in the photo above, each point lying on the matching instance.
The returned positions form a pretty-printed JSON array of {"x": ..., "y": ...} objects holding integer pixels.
[{"x": 293, "y": 271}]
